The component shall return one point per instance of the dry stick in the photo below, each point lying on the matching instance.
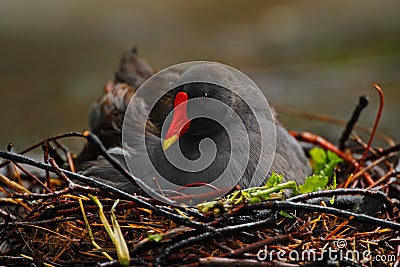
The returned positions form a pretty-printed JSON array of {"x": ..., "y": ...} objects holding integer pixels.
[
  {"x": 16, "y": 260},
  {"x": 5, "y": 214},
  {"x": 259, "y": 244},
  {"x": 22, "y": 237},
  {"x": 213, "y": 233},
  {"x": 373, "y": 194},
  {"x": 49, "y": 221},
  {"x": 378, "y": 117},
  {"x": 388, "y": 175},
  {"x": 175, "y": 235},
  {"x": 364, "y": 145},
  {"x": 64, "y": 135},
  {"x": 115, "y": 263},
  {"x": 318, "y": 140},
  {"x": 385, "y": 152},
  {"x": 396, "y": 242},
  {"x": 278, "y": 205},
  {"x": 93, "y": 182},
  {"x": 362, "y": 103},
  {"x": 275, "y": 205},
  {"x": 70, "y": 188},
  {"x": 46, "y": 160},
  {"x": 338, "y": 228},
  {"x": 329, "y": 119},
  {"x": 60, "y": 173},
  {"x": 92, "y": 138},
  {"x": 56, "y": 212},
  {"x": 229, "y": 214},
  {"x": 342, "y": 191},
  {"x": 14, "y": 168},
  {"x": 68, "y": 155},
  {"x": 33, "y": 177},
  {"x": 364, "y": 170},
  {"x": 70, "y": 209},
  {"x": 223, "y": 262},
  {"x": 221, "y": 246},
  {"x": 55, "y": 193}
]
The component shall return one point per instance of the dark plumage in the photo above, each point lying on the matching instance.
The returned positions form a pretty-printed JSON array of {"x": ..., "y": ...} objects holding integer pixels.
[{"x": 107, "y": 117}]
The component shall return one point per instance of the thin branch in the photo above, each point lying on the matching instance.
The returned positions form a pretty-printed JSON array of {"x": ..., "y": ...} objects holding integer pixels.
[
  {"x": 345, "y": 191},
  {"x": 377, "y": 119},
  {"x": 362, "y": 103},
  {"x": 60, "y": 136},
  {"x": 93, "y": 182}
]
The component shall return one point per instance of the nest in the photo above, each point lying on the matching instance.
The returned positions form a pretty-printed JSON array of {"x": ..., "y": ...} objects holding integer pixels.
[{"x": 52, "y": 216}]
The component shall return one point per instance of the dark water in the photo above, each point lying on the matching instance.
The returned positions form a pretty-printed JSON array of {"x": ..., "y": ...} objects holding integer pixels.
[{"x": 313, "y": 56}]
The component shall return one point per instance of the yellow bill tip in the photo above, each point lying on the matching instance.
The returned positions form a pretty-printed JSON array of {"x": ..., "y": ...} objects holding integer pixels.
[{"x": 168, "y": 142}]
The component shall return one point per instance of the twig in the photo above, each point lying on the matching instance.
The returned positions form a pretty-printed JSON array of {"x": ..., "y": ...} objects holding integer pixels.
[
  {"x": 318, "y": 140},
  {"x": 342, "y": 191},
  {"x": 44, "y": 222},
  {"x": 46, "y": 160},
  {"x": 213, "y": 233},
  {"x": 384, "y": 152},
  {"x": 388, "y": 175},
  {"x": 329, "y": 119},
  {"x": 68, "y": 155},
  {"x": 175, "y": 235},
  {"x": 270, "y": 241},
  {"x": 93, "y": 139},
  {"x": 363, "y": 145},
  {"x": 277, "y": 205},
  {"x": 47, "y": 188},
  {"x": 377, "y": 119},
  {"x": 218, "y": 261},
  {"x": 64, "y": 135},
  {"x": 5, "y": 214},
  {"x": 362, "y": 103},
  {"x": 93, "y": 182},
  {"x": 367, "y": 168}
]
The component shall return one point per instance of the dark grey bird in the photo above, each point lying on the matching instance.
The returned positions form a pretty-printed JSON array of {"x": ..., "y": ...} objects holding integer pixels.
[{"x": 107, "y": 117}]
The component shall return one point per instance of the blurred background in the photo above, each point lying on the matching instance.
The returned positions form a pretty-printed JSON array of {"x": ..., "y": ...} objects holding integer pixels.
[{"x": 314, "y": 56}]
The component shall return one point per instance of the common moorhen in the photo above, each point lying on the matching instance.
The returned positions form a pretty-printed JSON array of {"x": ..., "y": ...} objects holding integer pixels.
[{"x": 184, "y": 132}]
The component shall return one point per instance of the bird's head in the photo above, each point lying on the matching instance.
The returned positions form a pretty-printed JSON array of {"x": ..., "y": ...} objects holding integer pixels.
[{"x": 185, "y": 120}]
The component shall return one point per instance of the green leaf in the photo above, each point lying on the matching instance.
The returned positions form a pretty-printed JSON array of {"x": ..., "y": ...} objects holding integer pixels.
[
  {"x": 286, "y": 215},
  {"x": 273, "y": 189},
  {"x": 274, "y": 180},
  {"x": 115, "y": 234},
  {"x": 318, "y": 159},
  {"x": 332, "y": 156},
  {"x": 332, "y": 161},
  {"x": 90, "y": 231},
  {"x": 215, "y": 207},
  {"x": 323, "y": 164},
  {"x": 334, "y": 183},
  {"x": 313, "y": 183},
  {"x": 120, "y": 243},
  {"x": 332, "y": 200},
  {"x": 155, "y": 237}
]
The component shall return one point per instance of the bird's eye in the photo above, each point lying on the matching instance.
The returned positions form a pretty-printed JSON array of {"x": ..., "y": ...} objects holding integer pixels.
[{"x": 206, "y": 94}]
